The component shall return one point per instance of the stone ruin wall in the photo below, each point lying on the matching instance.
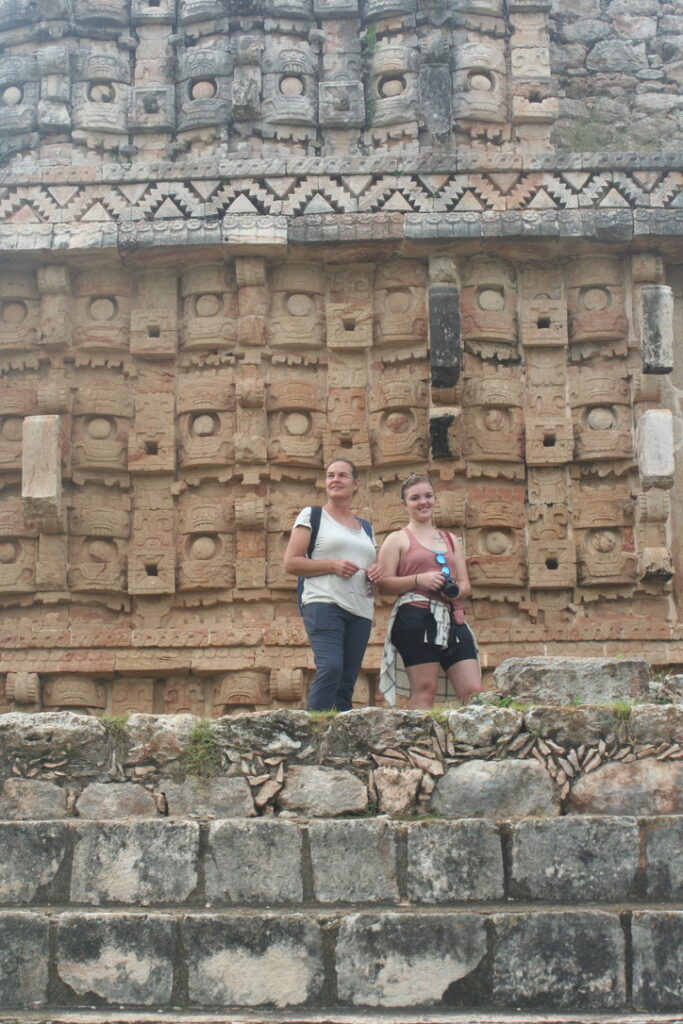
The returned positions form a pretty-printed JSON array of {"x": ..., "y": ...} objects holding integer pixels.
[{"x": 240, "y": 239}]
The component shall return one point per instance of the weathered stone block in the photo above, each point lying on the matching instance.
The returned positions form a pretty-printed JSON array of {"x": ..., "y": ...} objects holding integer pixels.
[
  {"x": 253, "y": 960},
  {"x": 656, "y": 448},
  {"x": 444, "y": 321},
  {"x": 640, "y": 788},
  {"x": 559, "y": 680},
  {"x": 480, "y": 725},
  {"x": 209, "y": 798},
  {"x": 573, "y": 726},
  {"x": 53, "y": 733},
  {"x": 356, "y": 733},
  {"x": 41, "y": 471},
  {"x": 454, "y": 861},
  {"x": 396, "y": 789},
  {"x": 116, "y": 800},
  {"x": 31, "y": 800},
  {"x": 135, "y": 862},
  {"x": 24, "y": 959},
  {"x": 554, "y": 959},
  {"x": 353, "y": 861},
  {"x": 495, "y": 789},
  {"x": 273, "y": 733},
  {"x": 663, "y": 862},
  {"x": 657, "y": 937},
  {"x": 657, "y": 325},
  {"x": 30, "y": 858},
  {"x": 322, "y": 792},
  {"x": 653, "y": 723},
  {"x": 575, "y": 859},
  {"x": 404, "y": 959},
  {"x": 254, "y": 862},
  {"x": 120, "y": 958}
]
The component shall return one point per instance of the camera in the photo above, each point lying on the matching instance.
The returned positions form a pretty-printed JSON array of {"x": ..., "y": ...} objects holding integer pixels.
[{"x": 450, "y": 589}]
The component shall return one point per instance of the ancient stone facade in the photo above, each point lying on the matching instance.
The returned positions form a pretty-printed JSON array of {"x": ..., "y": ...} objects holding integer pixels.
[{"x": 240, "y": 239}]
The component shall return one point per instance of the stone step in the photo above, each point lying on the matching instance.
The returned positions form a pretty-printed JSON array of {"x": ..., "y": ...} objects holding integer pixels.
[
  {"x": 327, "y": 862},
  {"x": 106, "y": 1016},
  {"x": 577, "y": 958}
]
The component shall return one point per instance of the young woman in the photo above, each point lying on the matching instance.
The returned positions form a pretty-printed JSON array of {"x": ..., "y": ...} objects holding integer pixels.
[
  {"x": 337, "y": 595},
  {"x": 426, "y": 568}
]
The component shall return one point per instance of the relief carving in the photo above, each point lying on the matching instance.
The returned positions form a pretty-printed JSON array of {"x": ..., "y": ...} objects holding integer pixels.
[
  {"x": 102, "y": 307},
  {"x": 398, "y": 419},
  {"x": 297, "y": 317},
  {"x": 488, "y": 305},
  {"x": 209, "y": 321},
  {"x": 597, "y": 310},
  {"x": 401, "y": 303}
]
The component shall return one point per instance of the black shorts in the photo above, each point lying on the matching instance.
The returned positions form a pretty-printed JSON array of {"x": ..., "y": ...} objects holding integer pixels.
[{"x": 408, "y": 637}]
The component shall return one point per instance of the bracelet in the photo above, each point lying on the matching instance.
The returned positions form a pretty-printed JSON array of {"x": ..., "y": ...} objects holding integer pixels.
[{"x": 416, "y": 581}]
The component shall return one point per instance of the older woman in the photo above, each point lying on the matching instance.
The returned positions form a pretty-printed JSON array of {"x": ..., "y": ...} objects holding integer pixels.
[
  {"x": 425, "y": 567},
  {"x": 337, "y": 598}
]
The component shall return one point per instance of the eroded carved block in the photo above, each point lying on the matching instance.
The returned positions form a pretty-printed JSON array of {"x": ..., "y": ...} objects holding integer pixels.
[
  {"x": 151, "y": 442},
  {"x": 19, "y": 312},
  {"x": 206, "y": 419},
  {"x": 246, "y": 689},
  {"x": 551, "y": 552},
  {"x": 349, "y": 309},
  {"x": 209, "y": 308},
  {"x": 54, "y": 285},
  {"x": 296, "y": 421},
  {"x": 101, "y": 94},
  {"x": 493, "y": 420},
  {"x": 287, "y": 684},
  {"x": 347, "y": 426},
  {"x": 297, "y": 306},
  {"x": 400, "y": 303},
  {"x": 103, "y": 408},
  {"x": 488, "y": 304},
  {"x": 23, "y": 687},
  {"x": 151, "y": 559},
  {"x": 602, "y": 417},
  {"x": 69, "y": 692},
  {"x": 205, "y": 544},
  {"x": 99, "y": 527},
  {"x": 398, "y": 419},
  {"x": 543, "y": 307},
  {"x": 102, "y": 306},
  {"x": 289, "y": 88},
  {"x": 204, "y": 86},
  {"x": 393, "y": 83},
  {"x": 597, "y": 313},
  {"x": 606, "y": 556},
  {"x": 479, "y": 92},
  {"x": 154, "y": 315}
]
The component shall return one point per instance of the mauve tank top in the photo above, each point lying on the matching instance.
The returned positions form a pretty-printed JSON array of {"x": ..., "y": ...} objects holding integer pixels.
[{"x": 418, "y": 559}]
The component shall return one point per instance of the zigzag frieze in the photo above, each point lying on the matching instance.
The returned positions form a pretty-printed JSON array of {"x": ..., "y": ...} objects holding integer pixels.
[{"x": 294, "y": 196}]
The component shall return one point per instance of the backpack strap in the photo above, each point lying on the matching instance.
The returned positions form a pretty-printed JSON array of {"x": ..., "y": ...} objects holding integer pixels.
[
  {"x": 367, "y": 526},
  {"x": 316, "y": 513}
]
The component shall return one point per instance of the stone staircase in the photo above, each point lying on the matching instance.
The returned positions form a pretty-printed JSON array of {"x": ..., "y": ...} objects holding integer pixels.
[{"x": 128, "y": 902}]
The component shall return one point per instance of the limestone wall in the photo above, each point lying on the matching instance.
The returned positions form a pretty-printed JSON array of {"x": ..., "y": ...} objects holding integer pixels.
[
  {"x": 618, "y": 68},
  {"x": 238, "y": 240},
  {"x": 493, "y": 861}
]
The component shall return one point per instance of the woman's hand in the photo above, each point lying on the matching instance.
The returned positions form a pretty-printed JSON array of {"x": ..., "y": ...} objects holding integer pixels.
[
  {"x": 374, "y": 573},
  {"x": 431, "y": 580},
  {"x": 342, "y": 567}
]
